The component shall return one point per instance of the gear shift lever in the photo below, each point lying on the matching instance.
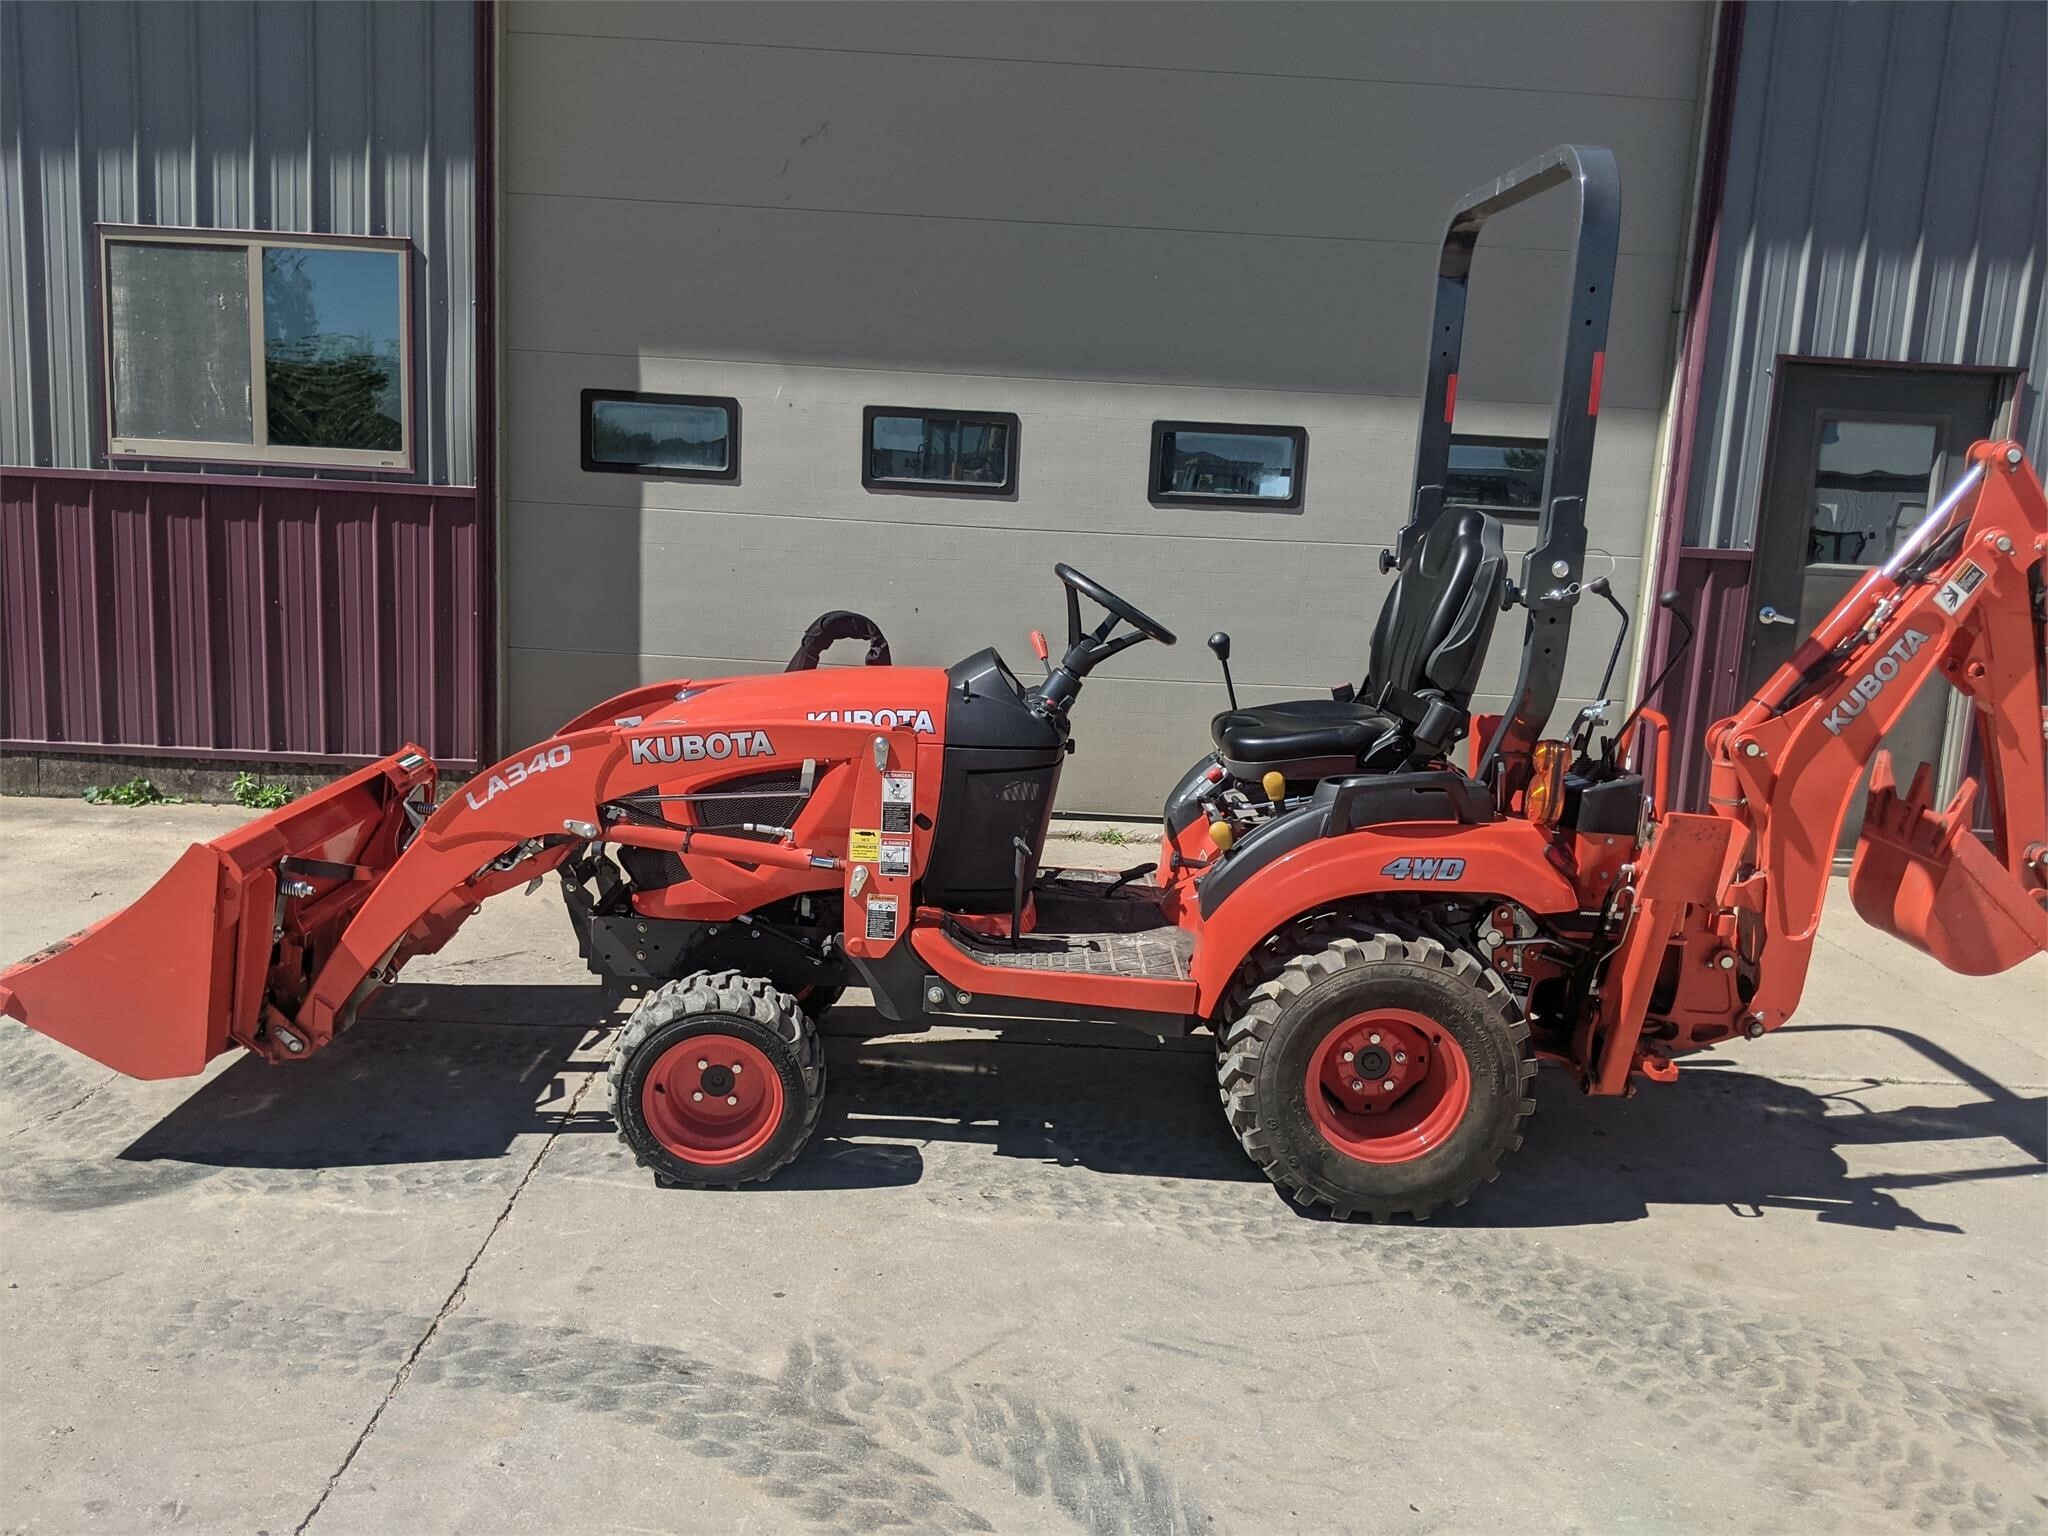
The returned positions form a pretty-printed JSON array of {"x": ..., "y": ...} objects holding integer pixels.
[{"x": 1220, "y": 644}]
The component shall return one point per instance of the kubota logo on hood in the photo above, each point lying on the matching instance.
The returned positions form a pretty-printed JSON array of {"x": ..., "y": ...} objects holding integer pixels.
[
  {"x": 1871, "y": 683},
  {"x": 918, "y": 720}
]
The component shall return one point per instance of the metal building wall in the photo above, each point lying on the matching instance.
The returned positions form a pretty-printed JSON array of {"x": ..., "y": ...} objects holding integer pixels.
[
  {"x": 1096, "y": 217},
  {"x": 179, "y": 609},
  {"x": 1886, "y": 196},
  {"x": 341, "y": 117}
]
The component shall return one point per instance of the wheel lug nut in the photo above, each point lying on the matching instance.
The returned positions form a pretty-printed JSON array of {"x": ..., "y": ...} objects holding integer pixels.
[
  {"x": 1372, "y": 1039},
  {"x": 737, "y": 1068},
  {"x": 698, "y": 1097},
  {"x": 1348, "y": 1055},
  {"x": 733, "y": 1100},
  {"x": 1387, "y": 1086},
  {"x": 1357, "y": 1086},
  {"x": 702, "y": 1064},
  {"x": 1400, "y": 1055}
]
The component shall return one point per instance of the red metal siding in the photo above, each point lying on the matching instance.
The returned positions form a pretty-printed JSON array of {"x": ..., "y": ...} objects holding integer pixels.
[
  {"x": 1707, "y": 685},
  {"x": 180, "y": 615}
]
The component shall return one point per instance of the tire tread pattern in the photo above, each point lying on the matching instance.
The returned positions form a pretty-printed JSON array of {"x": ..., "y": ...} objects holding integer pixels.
[
  {"x": 1242, "y": 1042},
  {"x": 730, "y": 994}
]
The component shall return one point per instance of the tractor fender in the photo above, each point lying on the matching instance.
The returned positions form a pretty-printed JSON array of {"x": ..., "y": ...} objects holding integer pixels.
[{"x": 1508, "y": 859}]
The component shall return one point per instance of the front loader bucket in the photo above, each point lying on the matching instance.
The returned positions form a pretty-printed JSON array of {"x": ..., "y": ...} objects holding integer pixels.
[
  {"x": 1924, "y": 876},
  {"x": 163, "y": 986}
]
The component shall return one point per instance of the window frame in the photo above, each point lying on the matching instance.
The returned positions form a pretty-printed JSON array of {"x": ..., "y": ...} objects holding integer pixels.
[
  {"x": 1007, "y": 486},
  {"x": 259, "y": 450},
  {"x": 1506, "y": 514},
  {"x": 1155, "y": 472},
  {"x": 597, "y": 466}
]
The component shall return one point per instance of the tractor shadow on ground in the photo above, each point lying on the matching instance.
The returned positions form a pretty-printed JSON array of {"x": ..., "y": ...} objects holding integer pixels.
[
  {"x": 454, "y": 1074},
  {"x": 1718, "y": 1137},
  {"x": 434, "y": 1074}
]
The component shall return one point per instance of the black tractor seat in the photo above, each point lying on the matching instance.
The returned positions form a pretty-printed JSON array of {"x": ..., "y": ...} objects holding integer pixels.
[
  {"x": 1309, "y": 739},
  {"x": 1427, "y": 649}
]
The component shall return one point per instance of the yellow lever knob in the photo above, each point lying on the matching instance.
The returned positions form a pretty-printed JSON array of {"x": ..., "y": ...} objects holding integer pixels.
[
  {"x": 1221, "y": 835},
  {"x": 1276, "y": 786}
]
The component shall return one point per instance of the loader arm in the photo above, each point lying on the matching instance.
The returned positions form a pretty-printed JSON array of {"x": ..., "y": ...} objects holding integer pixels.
[
  {"x": 1742, "y": 888},
  {"x": 273, "y": 936}
]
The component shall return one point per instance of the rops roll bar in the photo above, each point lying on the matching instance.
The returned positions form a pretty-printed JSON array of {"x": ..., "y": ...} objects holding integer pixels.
[{"x": 1551, "y": 570}]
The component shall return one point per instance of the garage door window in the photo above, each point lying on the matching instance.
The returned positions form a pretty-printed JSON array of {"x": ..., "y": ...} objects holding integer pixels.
[
  {"x": 694, "y": 437},
  {"x": 1202, "y": 463},
  {"x": 962, "y": 453},
  {"x": 257, "y": 348},
  {"x": 1504, "y": 475}
]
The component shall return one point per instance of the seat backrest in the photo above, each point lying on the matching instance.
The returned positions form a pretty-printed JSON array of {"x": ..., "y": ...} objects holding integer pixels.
[{"x": 1433, "y": 632}]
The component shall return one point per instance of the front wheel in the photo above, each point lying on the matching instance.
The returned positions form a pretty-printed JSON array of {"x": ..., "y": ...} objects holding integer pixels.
[
  {"x": 718, "y": 1080},
  {"x": 1380, "y": 1076}
]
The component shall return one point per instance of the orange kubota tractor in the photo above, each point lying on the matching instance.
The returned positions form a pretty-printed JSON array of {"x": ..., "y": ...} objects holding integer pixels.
[{"x": 1384, "y": 941}]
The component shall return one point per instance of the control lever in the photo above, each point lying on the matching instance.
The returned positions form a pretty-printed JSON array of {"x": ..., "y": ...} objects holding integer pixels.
[
  {"x": 1595, "y": 712},
  {"x": 1669, "y": 603},
  {"x": 1220, "y": 644},
  {"x": 1022, "y": 873},
  {"x": 1042, "y": 651}
]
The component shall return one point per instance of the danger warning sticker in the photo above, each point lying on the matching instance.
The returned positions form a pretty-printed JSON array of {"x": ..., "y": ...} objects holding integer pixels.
[
  {"x": 863, "y": 847},
  {"x": 881, "y": 917},
  {"x": 895, "y": 855}
]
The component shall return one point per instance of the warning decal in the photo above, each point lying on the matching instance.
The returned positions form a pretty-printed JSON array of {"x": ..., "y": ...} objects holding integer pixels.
[
  {"x": 881, "y": 917},
  {"x": 896, "y": 796},
  {"x": 863, "y": 847},
  {"x": 895, "y": 856},
  {"x": 1956, "y": 591}
]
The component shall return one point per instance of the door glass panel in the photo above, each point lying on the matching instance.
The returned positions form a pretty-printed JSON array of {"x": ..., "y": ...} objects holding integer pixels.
[{"x": 1870, "y": 487}]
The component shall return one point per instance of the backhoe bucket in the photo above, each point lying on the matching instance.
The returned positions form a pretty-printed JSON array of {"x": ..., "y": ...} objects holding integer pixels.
[
  {"x": 161, "y": 987},
  {"x": 1925, "y": 876}
]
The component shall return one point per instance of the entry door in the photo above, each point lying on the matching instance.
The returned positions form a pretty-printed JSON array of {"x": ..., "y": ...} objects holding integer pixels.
[{"x": 1858, "y": 455}]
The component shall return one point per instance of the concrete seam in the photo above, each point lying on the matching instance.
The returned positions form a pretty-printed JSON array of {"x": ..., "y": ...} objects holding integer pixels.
[
  {"x": 448, "y": 1307},
  {"x": 58, "y": 1114}
]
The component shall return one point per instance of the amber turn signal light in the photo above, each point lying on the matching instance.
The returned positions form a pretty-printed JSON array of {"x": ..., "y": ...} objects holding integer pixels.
[{"x": 1545, "y": 800}]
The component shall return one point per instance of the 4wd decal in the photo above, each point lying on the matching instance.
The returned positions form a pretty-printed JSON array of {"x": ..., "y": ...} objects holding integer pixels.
[
  {"x": 694, "y": 749},
  {"x": 1424, "y": 869},
  {"x": 1871, "y": 683},
  {"x": 918, "y": 720},
  {"x": 516, "y": 775}
]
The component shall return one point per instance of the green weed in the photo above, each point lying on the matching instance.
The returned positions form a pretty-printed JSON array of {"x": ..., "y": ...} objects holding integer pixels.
[{"x": 137, "y": 791}]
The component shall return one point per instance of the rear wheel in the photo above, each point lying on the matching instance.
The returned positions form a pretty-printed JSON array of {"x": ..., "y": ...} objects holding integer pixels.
[
  {"x": 718, "y": 1080},
  {"x": 1380, "y": 1076}
]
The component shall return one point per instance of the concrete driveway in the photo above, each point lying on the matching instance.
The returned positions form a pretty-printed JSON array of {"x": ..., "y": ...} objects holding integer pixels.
[{"x": 1014, "y": 1285}]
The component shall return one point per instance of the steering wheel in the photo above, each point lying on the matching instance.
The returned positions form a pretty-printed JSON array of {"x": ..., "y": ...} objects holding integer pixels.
[{"x": 1144, "y": 623}]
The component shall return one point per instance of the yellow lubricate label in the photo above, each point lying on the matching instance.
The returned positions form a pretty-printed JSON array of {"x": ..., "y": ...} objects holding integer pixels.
[{"x": 863, "y": 847}]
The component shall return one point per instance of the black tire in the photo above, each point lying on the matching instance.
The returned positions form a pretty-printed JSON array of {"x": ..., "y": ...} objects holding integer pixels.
[
  {"x": 1264, "y": 1062},
  {"x": 725, "y": 1003}
]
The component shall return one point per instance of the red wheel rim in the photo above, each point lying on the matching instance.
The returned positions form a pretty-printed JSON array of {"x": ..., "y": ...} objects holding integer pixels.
[
  {"x": 712, "y": 1099},
  {"x": 1388, "y": 1086}
]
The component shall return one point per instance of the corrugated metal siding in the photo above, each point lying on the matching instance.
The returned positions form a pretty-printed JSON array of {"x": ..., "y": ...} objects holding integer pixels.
[
  {"x": 251, "y": 617},
  {"x": 1887, "y": 188},
  {"x": 332, "y": 118},
  {"x": 1707, "y": 685}
]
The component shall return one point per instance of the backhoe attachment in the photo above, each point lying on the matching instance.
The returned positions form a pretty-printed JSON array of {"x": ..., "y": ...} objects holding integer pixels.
[{"x": 1925, "y": 876}]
